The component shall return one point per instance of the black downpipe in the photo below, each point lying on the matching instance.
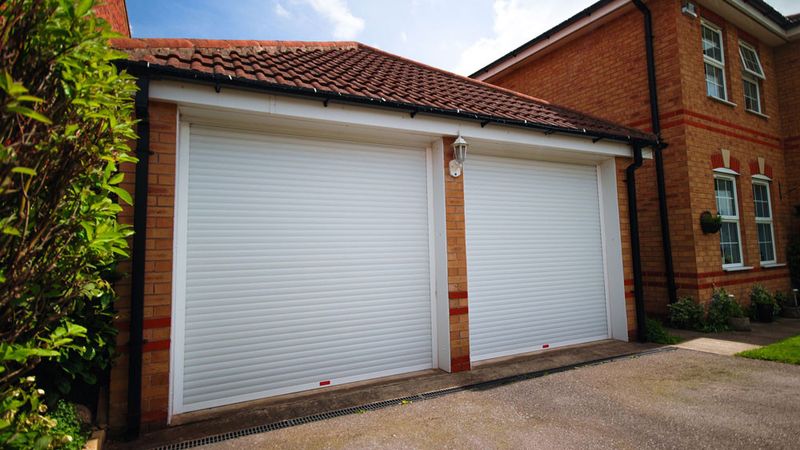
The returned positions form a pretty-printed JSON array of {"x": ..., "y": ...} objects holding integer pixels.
[
  {"x": 138, "y": 259},
  {"x": 666, "y": 240},
  {"x": 636, "y": 257}
]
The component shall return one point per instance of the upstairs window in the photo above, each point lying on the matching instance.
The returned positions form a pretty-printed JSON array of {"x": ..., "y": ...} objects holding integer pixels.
[
  {"x": 763, "y": 207},
  {"x": 752, "y": 72},
  {"x": 728, "y": 210},
  {"x": 750, "y": 61},
  {"x": 714, "y": 59}
]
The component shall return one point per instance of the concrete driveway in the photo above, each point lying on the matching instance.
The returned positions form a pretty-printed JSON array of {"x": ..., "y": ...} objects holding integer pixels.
[{"x": 678, "y": 399}]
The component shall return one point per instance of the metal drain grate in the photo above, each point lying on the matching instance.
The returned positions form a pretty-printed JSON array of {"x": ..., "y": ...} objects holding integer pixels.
[{"x": 397, "y": 401}]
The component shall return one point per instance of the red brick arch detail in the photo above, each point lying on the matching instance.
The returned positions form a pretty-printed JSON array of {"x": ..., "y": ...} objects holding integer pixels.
[
  {"x": 755, "y": 171},
  {"x": 718, "y": 163}
]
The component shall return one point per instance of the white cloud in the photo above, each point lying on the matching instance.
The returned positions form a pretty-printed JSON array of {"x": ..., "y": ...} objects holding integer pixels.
[
  {"x": 337, "y": 12},
  {"x": 515, "y": 22},
  {"x": 403, "y": 36},
  {"x": 280, "y": 11}
]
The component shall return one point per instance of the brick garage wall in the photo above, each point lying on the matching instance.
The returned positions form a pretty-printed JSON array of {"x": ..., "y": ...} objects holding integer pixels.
[
  {"x": 456, "y": 265},
  {"x": 158, "y": 280},
  {"x": 116, "y": 14}
]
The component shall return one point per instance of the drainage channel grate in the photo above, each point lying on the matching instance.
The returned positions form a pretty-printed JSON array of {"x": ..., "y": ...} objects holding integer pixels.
[{"x": 397, "y": 401}]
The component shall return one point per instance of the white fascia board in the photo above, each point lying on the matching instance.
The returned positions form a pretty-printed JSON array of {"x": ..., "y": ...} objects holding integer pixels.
[
  {"x": 189, "y": 95},
  {"x": 758, "y": 17},
  {"x": 555, "y": 38}
]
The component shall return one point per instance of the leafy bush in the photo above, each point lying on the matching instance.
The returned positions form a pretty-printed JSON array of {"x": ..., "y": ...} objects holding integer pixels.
[
  {"x": 793, "y": 260},
  {"x": 66, "y": 117},
  {"x": 784, "y": 300},
  {"x": 686, "y": 314},
  {"x": 759, "y": 295},
  {"x": 656, "y": 333},
  {"x": 74, "y": 433},
  {"x": 722, "y": 308},
  {"x": 86, "y": 363}
]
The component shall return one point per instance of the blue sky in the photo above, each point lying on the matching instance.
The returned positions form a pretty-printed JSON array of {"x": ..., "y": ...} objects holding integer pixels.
[{"x": 457, "y": 35}]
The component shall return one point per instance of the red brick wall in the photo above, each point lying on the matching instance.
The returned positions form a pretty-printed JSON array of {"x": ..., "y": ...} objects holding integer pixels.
[
  {"x": 456, "y": 265},
  {"x": 158, "y": 279},
  {"x": 116, "y": 14},
  {"x": 604, "y": 73},
  {"x": 787, "y": 69}
]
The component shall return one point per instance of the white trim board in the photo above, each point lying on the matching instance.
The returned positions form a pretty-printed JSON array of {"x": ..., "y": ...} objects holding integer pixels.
[
  {"x": 202, "y": 101},
  {"x": 437, "y": 266}
]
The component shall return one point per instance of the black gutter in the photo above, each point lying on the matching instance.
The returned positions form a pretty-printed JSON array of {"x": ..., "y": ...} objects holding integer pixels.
[
  {"x": 636, "y": 257},
  {"x": 223, "y": 80},
  {"x": 666, "y": 240},
  {"x": 138, "y": 258}
]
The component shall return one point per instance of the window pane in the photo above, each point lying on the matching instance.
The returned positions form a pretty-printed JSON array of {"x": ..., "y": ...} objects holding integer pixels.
[
  {"x": 712, "y": 44},
  {"x": 751, "y": 100},
  {"x": 750, "y": 60},
  {"x": 765, "y": 244},
  {"x": 729, "y": 243},
  {"x": 761, "y": 199},
  {"x": 726, "y": 205},
  {"x": 715, "y": 85}
]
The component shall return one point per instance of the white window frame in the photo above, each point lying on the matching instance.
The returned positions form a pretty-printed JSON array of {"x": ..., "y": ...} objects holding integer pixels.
[
  {"x": 748, "y": 78},
  {"x": 745, "y": 46},
  {"x": 765, "y": 221},
  {"x": 731, "y": 219},
  {"x": 709, "y": 60}
]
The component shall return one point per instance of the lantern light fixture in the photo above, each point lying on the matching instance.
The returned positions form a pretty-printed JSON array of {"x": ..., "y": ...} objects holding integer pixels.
[{"x": 460, "y": 147}]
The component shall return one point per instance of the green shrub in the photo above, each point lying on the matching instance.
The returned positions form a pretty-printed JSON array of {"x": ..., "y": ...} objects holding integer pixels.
[
  {"x": 722, "y": 308},
  {"x": 66, "y": 117},
  {"x": 686, "y": 314},
  {"x": 759, "y": 295},
  {"x": 73, "y": 434},
  {"x": 656, "y": 333},
  {"x": 785, "y": 300}
]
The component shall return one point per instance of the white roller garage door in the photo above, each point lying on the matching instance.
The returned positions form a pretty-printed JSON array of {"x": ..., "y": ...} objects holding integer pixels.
[
  {"x": 306, "y": 264},
  {"x": 534, "y": 255}
]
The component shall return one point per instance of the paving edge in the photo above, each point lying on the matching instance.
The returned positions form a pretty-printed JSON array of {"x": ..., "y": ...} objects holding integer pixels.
[{"x": 484, "y": 385}]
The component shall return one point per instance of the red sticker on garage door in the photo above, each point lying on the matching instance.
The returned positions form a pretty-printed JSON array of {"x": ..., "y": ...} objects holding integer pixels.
[{"x": 325, "y": 383}]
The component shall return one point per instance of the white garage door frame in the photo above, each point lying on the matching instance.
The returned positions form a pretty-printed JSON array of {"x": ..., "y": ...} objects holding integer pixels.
[
  {"x": 436, "y": 246},
  {"x": 611, "y": 245}
]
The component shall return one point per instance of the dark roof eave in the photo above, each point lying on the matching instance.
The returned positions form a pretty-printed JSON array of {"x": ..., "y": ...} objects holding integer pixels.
[{"x": 136, "y": 67}]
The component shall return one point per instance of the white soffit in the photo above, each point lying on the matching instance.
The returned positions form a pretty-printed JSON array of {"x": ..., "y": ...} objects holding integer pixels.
[
  {"x": 750, "y": 20},
  {"x": 245, "y": 108}
]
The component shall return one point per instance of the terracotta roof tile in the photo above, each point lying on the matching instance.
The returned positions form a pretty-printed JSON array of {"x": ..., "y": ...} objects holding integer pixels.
[{"x": 352, "y": 69}]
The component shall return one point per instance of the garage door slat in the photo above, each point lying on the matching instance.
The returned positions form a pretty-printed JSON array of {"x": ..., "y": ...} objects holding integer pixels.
[
  {"x": 306, "y": 261},
  {"x": 534, "y": 255}
]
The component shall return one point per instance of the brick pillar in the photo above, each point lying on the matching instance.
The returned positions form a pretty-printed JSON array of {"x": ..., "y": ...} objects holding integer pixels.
[
  {"x": 158, "y": 279},
  {"x": 456, "y": 266}
]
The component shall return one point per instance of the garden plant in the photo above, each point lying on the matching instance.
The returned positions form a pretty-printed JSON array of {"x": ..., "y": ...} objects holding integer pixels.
[{"x": 66, "y": 117}]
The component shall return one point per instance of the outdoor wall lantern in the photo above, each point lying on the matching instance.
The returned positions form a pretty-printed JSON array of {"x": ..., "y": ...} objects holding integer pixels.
[{"x": 459, "y": 155}]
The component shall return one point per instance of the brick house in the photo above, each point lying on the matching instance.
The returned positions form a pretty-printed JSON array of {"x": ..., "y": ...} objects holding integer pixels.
[
  {"x": 727, "y": 111},
  {"x": 302, "y": 221}
]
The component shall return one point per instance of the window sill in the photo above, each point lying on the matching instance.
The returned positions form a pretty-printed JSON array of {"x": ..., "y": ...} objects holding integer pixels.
[
  {"x": 773, "y": 265},
  {"x": 756, "y": 113},
  {"x": 722, "y": 100},
  {"x": 737, "y": 268}
]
